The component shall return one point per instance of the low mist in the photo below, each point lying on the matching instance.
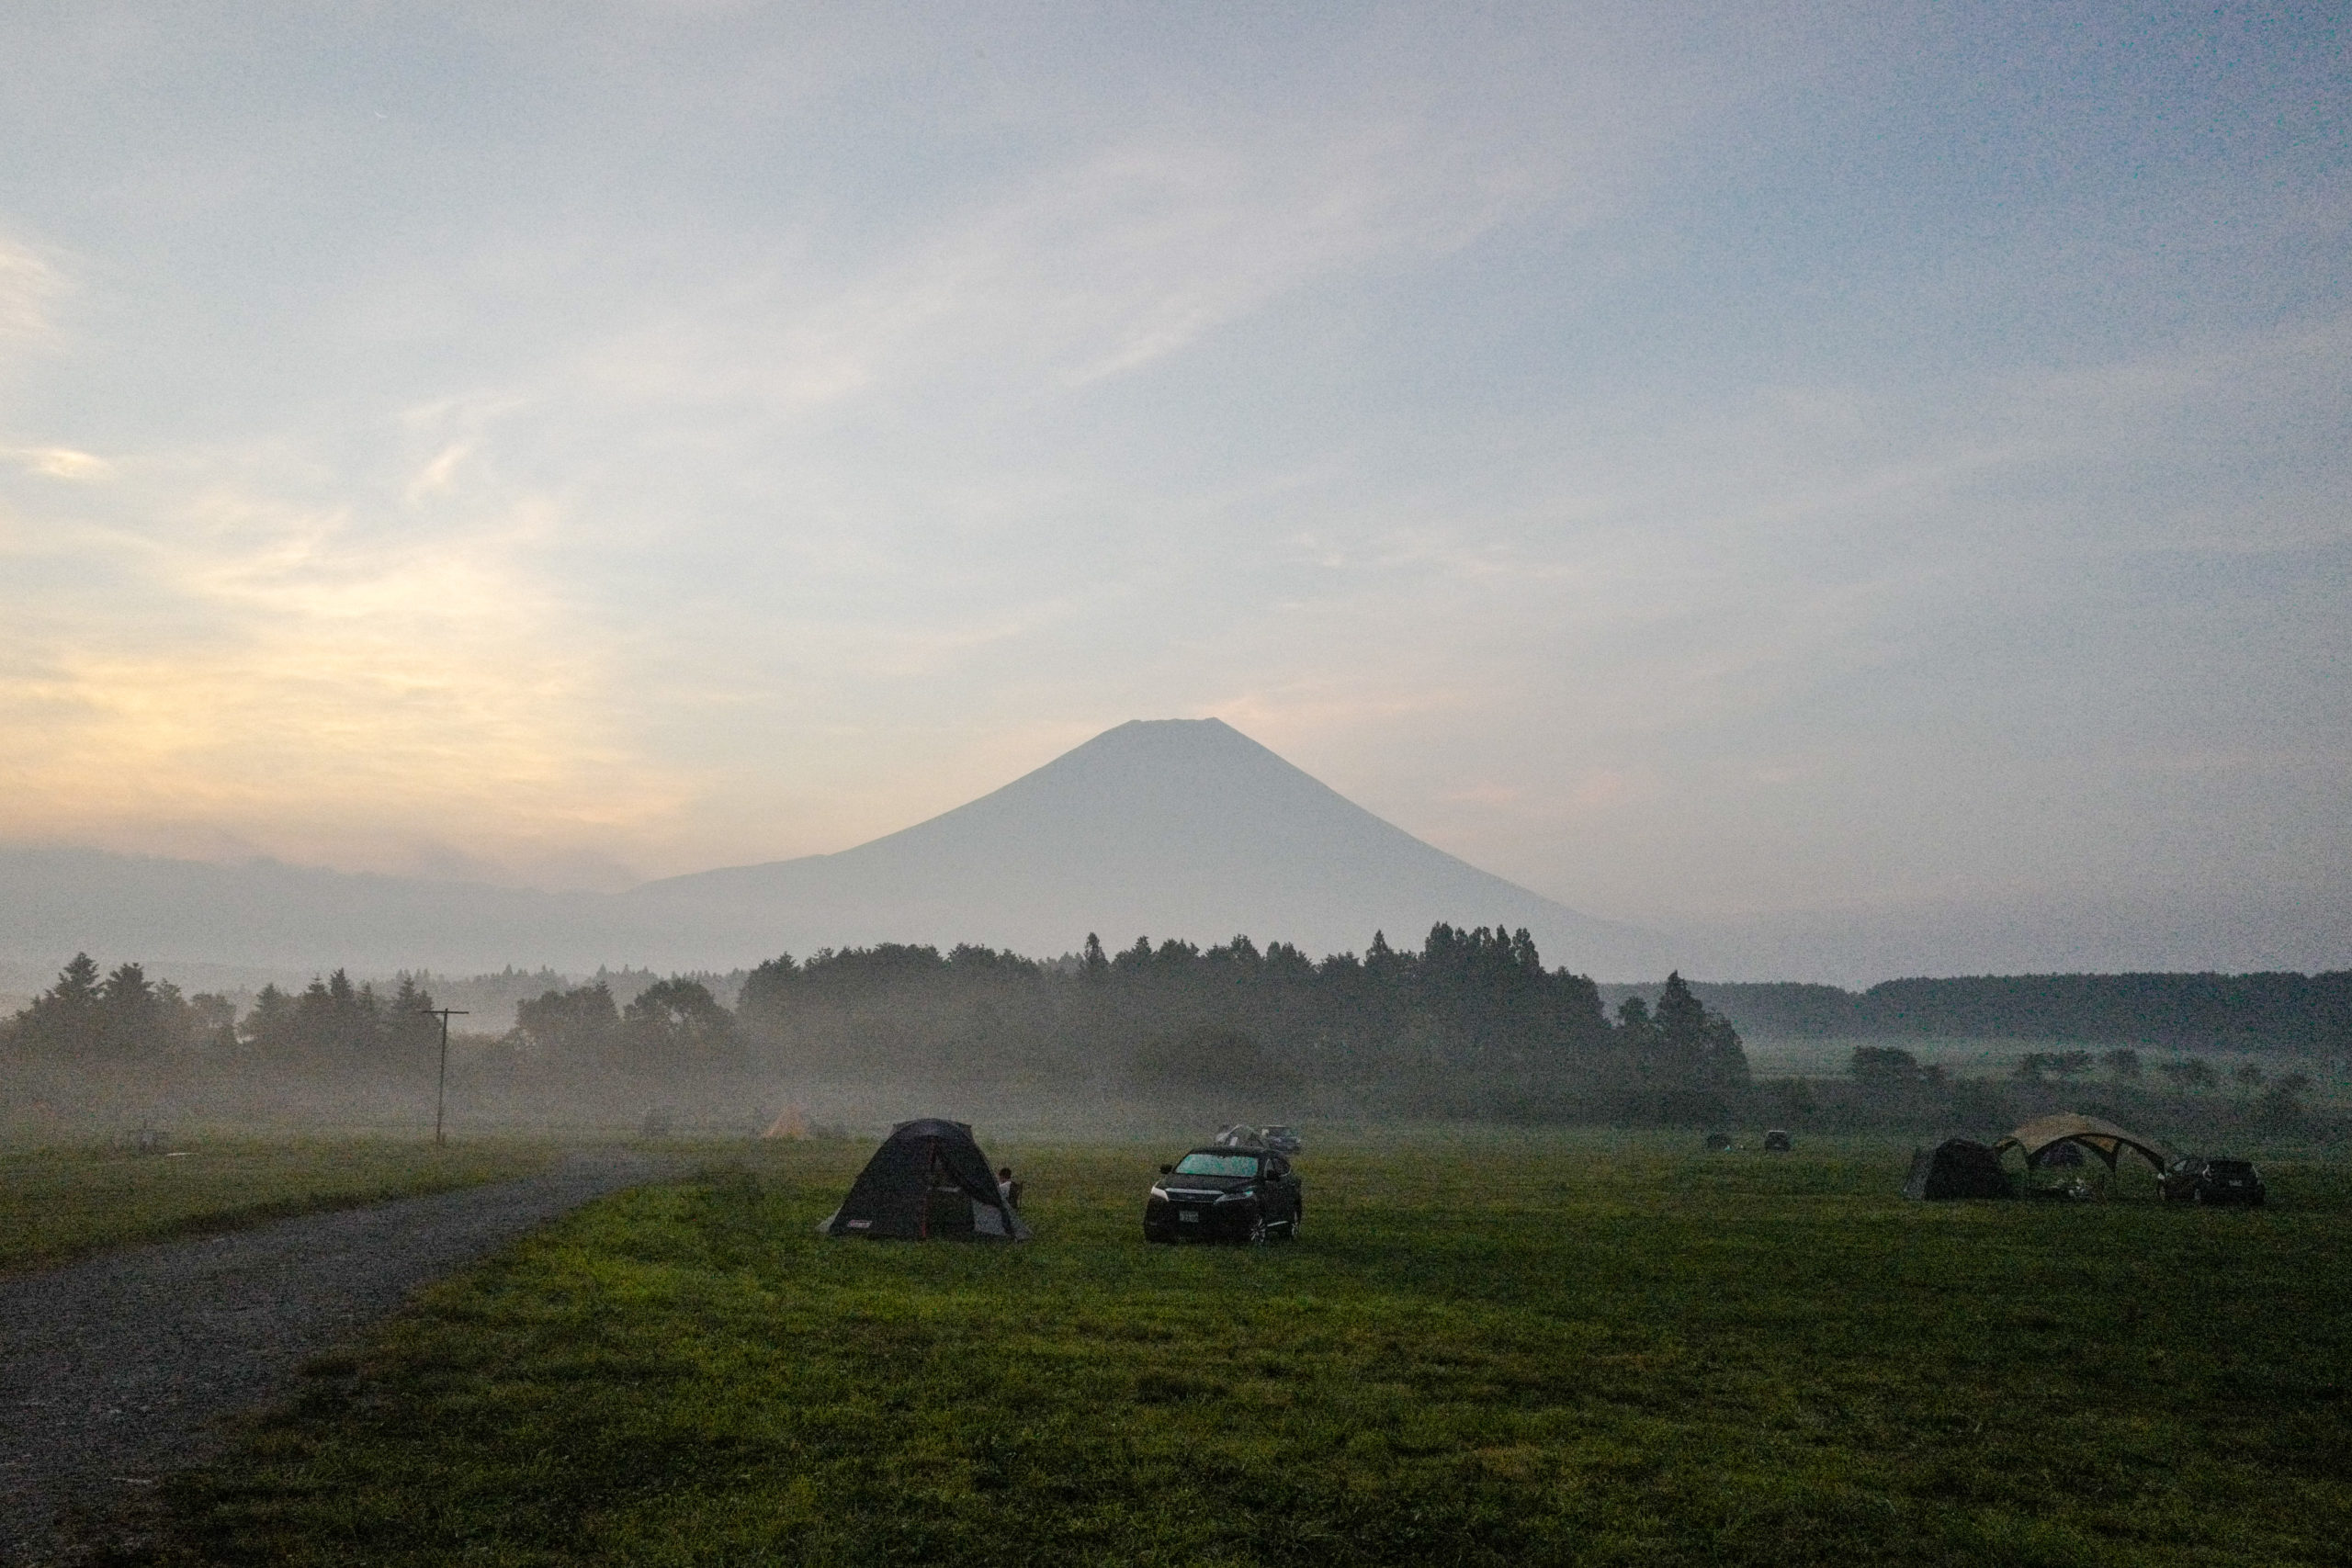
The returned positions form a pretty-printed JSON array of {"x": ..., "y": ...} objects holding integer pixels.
[{"x": 1471, "y": 1027}]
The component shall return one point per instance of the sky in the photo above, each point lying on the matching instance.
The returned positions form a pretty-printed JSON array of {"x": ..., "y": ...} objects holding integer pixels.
[{"x": 1818, "y": 476}]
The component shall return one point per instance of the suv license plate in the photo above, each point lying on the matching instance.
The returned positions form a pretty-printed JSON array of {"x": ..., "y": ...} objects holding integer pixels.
[{"x": 1188, "y": 1219}]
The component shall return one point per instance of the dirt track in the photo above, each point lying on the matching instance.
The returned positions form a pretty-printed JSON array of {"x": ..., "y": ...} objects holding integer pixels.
[{"x": 114, "y": 1370}]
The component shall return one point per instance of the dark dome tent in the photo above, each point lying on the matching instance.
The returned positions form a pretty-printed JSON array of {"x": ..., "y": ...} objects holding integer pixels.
[
  {"x": 2043, "y": 1138},
  {"x": 929, "y": 1179},
  {"x": 1956, "y": 1168}
]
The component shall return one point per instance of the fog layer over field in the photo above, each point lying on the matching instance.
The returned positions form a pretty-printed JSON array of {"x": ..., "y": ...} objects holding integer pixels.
[
  {"x": 1471, "y": 1026},
  {"x": 1474, "y": 1023}
]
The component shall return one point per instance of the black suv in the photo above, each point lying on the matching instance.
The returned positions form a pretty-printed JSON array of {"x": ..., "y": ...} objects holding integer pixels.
[
  {"x": 2194, "y": 1180},
  {"x": 1224, "y": 1194}
]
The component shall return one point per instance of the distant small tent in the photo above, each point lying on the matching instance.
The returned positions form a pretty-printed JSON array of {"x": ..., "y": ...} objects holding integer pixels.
[
  {"x": 789, "y": 1123},
  {"x": 929, "y": 1179},
  {"x": 1956, "y": 1168},
  {"x": 2040, "y": 1139}
]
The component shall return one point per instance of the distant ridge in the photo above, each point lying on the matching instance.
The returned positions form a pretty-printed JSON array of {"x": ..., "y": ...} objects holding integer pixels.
[
  {"x": 1181, "y": 827},
  {"x": 265, "y": 915}
]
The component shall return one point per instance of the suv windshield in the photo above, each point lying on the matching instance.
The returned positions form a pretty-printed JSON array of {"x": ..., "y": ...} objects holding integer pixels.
[{"x": 1217, "y": 1165}]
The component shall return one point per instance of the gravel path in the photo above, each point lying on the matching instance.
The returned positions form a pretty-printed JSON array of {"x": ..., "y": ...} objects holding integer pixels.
[{"x": 113, "y": 1370}]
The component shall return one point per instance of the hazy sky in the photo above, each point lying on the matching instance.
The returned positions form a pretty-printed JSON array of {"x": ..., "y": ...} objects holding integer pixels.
[{"x": 1808, "y": 464}]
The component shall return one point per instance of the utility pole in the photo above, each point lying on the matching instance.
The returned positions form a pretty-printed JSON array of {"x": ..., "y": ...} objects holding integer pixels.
[{"x": 441, "y": 1091}]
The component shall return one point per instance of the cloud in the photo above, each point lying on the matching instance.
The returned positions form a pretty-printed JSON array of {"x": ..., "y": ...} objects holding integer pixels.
[
  {"x": 436, "y": 475},
  {"x": 1095, "y": 267},
  {"x": 56, "y": 462},
  {"x": 28, "y": 287},
  {"x": 345, "y": 681}
]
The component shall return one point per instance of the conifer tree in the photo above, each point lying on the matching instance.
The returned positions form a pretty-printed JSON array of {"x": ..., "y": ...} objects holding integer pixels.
[{"x": 66, "y": 1020}]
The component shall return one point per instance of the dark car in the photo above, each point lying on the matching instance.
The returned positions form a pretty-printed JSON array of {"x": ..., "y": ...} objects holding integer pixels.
[
  {"x": 1224, "y": 1194},
  {"x": 2193, "y": 1180}
]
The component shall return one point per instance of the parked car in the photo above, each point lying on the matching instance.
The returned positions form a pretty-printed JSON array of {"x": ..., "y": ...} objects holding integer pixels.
[
  {"x": 1222, "y": 1193},
  {"x": 1778, "y": 1141},
  {"x": 1282, "y": 1139},
  {"x": 2217, "y": 1181}
]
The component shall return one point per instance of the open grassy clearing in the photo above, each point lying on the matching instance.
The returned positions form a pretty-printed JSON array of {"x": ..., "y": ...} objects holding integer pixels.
[
  {"x": 1543, "y": 1348},
  {"x": 61, "y": 1201}
]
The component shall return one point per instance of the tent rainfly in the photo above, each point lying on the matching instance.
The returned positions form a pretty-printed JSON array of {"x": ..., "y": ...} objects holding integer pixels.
[
  {"x": 929, "y": 1179},
  {"x": 1956, "y": 1168},
  {"x": 2037, "y": 1138}
]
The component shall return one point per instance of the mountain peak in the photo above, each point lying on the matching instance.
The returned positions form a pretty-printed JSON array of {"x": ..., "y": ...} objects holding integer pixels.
[
  {"x": 1172, "y": 827},
  {"x": 1172, "y": 735}
]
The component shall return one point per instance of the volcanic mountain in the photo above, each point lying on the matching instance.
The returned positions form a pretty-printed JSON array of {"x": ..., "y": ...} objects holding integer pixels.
[
  {"x": 1181, "y": 827},
  {"x": 1171, "y": 827}
]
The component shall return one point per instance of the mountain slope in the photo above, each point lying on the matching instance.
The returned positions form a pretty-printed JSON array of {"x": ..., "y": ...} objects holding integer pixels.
[{"x": 1167, "y": 828}]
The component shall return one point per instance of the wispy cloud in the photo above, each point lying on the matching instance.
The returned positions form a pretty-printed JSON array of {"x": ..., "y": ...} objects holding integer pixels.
[
  {"x": 1095, "y": 267},
  {"x": 56, "y": 462},
  {"x": 26, "y": 285},
  {"x": 348, "y": 681},
  {"x": 29, "y": 287}
]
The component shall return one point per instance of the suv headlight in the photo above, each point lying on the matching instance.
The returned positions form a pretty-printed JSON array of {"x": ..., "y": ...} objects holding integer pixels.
[{"x": 1160, "y": 1193}]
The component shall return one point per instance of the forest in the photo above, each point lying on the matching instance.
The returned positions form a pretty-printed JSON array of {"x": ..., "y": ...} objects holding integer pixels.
[
  {"x": 1471, "y": 1024},
  {"x": 2307, "y": 1015}
]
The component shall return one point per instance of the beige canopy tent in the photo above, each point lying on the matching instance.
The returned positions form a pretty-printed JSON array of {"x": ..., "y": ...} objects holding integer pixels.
[{"x": 2104, "y": 1139}]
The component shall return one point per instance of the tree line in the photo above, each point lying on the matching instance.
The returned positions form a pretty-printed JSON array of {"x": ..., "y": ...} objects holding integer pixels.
[
  {"x": 1472, "y": 1023},
  {"x": 2286, "y": 1013},
  {"x": 126, "y": 1020},
  {"x": 2179, "y": 1096}
]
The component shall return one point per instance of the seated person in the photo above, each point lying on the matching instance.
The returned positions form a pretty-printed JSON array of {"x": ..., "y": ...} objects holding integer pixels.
[{"x": 1006, "y": 1188}]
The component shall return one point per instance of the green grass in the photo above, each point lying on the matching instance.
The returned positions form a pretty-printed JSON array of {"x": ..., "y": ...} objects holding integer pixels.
[
  {"x": 59, "y": 1203},
  {"x": 1554, "y": 1349}
]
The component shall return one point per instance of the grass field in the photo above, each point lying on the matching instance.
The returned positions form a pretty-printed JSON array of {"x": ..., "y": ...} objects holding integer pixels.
[
  {"x": 1553, "y": 1349},
  {"x": 60, "y": 1202}
]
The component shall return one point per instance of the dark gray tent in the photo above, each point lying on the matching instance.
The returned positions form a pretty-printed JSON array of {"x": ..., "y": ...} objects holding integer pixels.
[
  {"x": 1957, "y": 1168},
  {"x": 929, "y": 1179}
]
